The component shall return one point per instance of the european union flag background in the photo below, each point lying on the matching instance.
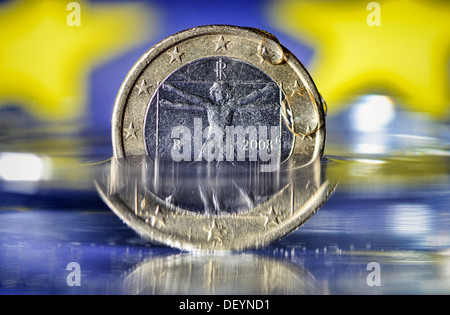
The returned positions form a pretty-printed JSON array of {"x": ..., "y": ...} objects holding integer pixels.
[{"x": 381, "y": 66}]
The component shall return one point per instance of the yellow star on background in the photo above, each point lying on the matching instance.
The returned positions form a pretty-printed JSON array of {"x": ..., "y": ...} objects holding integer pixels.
[
  {"x": 405, "y": 57},
  {"x": 45, "y": 63}
]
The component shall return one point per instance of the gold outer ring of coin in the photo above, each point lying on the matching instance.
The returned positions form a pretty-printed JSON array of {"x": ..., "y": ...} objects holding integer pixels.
[
  {"x": 303, "y": 111},
  {"x": 303, "y": 108}
]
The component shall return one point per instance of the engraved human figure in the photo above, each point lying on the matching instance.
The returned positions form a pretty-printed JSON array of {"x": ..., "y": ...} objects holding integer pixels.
[
  {"x": 220, "y": 107},
  {"x": 221, "y": 104}
]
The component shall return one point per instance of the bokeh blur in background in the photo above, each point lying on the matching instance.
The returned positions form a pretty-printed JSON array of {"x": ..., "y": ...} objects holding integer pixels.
[{"x": 382, "y": 67}]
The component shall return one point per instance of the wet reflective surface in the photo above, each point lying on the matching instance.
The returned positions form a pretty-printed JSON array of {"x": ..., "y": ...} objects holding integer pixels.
[
  {"x": 219, "y": 274},
  {"x": 210, "y": 206},
  {"x": 391, "y": 207}
]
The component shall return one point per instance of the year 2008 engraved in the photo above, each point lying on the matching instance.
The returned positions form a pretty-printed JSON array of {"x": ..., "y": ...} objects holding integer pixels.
[
  {"x": 260, "y": 144},
  {"x": 234, "y": 143}
]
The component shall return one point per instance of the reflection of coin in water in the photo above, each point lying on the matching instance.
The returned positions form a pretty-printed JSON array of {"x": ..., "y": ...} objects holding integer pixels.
[
  {"x": 216, "y": 274},
  {"x": 159, "y": 206},
  {"x": 212, "y": 189}
]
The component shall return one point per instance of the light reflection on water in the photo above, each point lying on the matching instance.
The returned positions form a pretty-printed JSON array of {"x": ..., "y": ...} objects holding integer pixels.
[
  {"x": 403, "y": 224},
  {"x": 389, "y": 208}
]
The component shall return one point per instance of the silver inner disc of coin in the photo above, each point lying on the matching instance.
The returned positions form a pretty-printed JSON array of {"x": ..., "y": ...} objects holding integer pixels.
[
  {"x": 225, "y": 113},
  {"x": 217, "y": 109}
]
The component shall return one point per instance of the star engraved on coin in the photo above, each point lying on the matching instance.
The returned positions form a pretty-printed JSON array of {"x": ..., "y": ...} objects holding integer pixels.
[
  {"x": 297, "y": 90},
  {"x": 308, "y": 133},
  {"x": 272, "y": 217},
  {"x": 156, "y": 219},
  {"x": 221, "y": 43},
  {"x": 175, "y": 55},
  {"x": 268, "y": 56},
  {"x": 130, "y": 131},
  {"x": 143, "y": 88},
  {"x": 214, "y": 232}
]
